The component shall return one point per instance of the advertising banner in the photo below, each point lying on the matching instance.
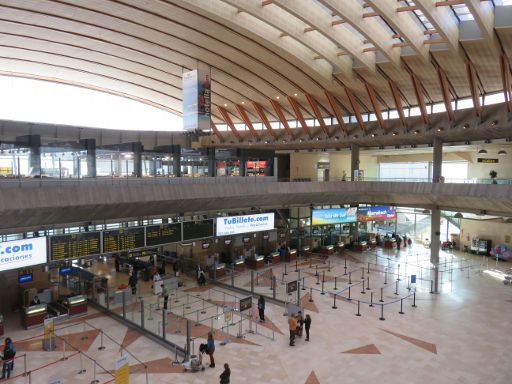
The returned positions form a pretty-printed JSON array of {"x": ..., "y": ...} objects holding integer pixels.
[
  {"x": 22, "y": 253},
  {"x": 122, "y": 370},
  {"x": 380, "y": 212},
  {"x": 245, "y": 304},
  {"x": 196, "y": 100},
  {"x": 334, "y": 216},
  {"x": 233, "y": 225}
]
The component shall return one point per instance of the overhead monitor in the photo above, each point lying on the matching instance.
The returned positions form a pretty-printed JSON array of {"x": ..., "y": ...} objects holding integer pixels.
[
  {"x": 233, "y": 225},
  {"x": 25, "y": 278},
  {"x": 377, "y": 213},
  {"x": 22, "y": 253},
  {"x": 334, "y": 216}
]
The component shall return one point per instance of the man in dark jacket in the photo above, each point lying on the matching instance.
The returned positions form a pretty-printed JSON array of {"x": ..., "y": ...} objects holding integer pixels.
[
  {"x": 8, "y": 356},
  {"x": 224, "y": 376},
  {"x": 261, "y": 308}
]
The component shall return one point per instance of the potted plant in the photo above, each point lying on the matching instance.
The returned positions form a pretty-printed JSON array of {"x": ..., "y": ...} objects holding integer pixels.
[{"x": 493, "y": 175}]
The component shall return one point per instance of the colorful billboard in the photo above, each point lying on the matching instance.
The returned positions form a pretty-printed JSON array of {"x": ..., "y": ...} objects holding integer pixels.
[
  {"x": 380, "y": 212},
  {"x": 243, "y": 224},
  {"x": 196, "y": 100},
  {"x": 334, "y": 216}
]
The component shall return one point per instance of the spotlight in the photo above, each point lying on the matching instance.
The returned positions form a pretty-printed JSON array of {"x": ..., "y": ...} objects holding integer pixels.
[
  {"x": 395, "y": 133},
  {"x": 494, "y": 123},
  {"x": 267, "y": 142},
  {"x": 440, "y": 129},
  {"x": 466, "y": 126},
  {"x": 416, "y": 132},
  {"x": 301, "y": 140}
]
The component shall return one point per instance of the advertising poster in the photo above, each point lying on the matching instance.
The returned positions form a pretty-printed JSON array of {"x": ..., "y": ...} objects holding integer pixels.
[
  {"x": 196, "y": 100},
  {"x": 122, "y": 370},
  {"x": 377, "y": 213},
  {"x": 233, "y": 225},
  {"x": 22, "y": 253},
  {"x": 334, "y": 216}
]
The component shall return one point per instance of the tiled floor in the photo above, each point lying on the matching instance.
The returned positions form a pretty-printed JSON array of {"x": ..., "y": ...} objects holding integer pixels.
[{"x": 459, "y": 336}]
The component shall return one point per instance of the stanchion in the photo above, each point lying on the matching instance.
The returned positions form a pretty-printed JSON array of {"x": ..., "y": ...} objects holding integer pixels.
[
  {"x": 371, "y": 299},
  {"x": 414, "y": 299},
  {"x": 285, "y": 272},
  {"x": 350, "y": 277},
  {"x": 94, "y": 380},
  {"x": 328, "y": 265},
  {"x": 204, "y": 309},
  {"x": 362, "y": 273},
  {"x": 349, "y": 292},
  {"x": 296, "y": 265},
  {"x": 398, "y": 273},
  {"x": 316, "y": 271},
  {"x": 310, "y": 295},
  {"x": 368, "y": 268},
  {"x": 368, "y": 283},
  {"x": 396, "y": 288},
  {"x": 381, "y": 293},
  {"x": 317, "y": 280},
  {"x": 363, "y": 292},
  {"x": 386, "y": 275},
  {"x": 303, "y": 285},
  {"x": 257, "y": 278},
  {"x": 431, "y": 286},
  {"x": 401, "y": 307},
  {"x": 335, "y": 287},
  {"x": 274, "y": 288},
  {"x": 101, "y": 347},
  {"x": 358, "y": 313},
  {"x": 334, "y": 304},
  {"x": 82, "y": 369},
  {"x": 310, "y": 262},
  {"x": 345, "y": 267},
  {"x": 197, "y": 318},
  {"x": 322, "y": 293},
  {"x": 382, "y": 312}
]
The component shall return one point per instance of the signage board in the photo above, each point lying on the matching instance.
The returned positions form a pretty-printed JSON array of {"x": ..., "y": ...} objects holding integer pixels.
[
  {"x": 122, "y": 372},
  {"x": 245, "y": 304},
  {"x": 291, "y": 286},
  {"x": 488, "y": 161},
  {"x": 65, "y": 270},
  {"x": 413, "y": 279},
  {"x": 233, "y": 225},
  {"x": 22, "y": 253},
  {"x": 25, "y": 278},
  {"x": 197, "y": 229},
  {"x": 196, "y": 100},
  {"x": 334, "y": 216},
  {"x": 75, "y": 245},
  {"x": 163, "y": 234},
  {"x": 122, "y": 239},
  {"x": 380, "y": 212}
]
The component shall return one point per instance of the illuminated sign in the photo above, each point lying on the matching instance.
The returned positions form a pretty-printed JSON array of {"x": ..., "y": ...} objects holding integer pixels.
[
  {"x": 22, "y": 253},
  {"x": 233, "y": 225},
  {"x": 488, "y": 161},
  {"x": 381, "y": 212},
  {"x": 334, "y": 216},
  {"x": 25, "y": 278}
]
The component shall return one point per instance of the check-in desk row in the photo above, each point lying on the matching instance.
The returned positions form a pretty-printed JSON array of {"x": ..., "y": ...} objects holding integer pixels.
[{"x": 34, "y": 315}]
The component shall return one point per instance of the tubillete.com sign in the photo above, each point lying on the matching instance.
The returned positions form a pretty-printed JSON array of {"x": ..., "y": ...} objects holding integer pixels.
[
  {"x": 233, "y": 225},
  {"x": 22, "y": 253}
]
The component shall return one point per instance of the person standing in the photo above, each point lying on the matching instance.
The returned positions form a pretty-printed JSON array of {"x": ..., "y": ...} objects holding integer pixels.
[
  {"x": 117, "y": 263},
  {"x": 157, "y": 284},
  {"x": 8, "y": 356},
  {"x": 261, "y": 308},
  {"x": 132, "y": 282},
  {"x": 307, "y": 325},
  {"x": 292, "y": 324},
  {"x": 165, "y": 295},
  {"x": 225, "y": 376},
  {"x": 300, "y": 322},
  {"x": 210, "y": 349},
  {"x": 35, "y": 301}
]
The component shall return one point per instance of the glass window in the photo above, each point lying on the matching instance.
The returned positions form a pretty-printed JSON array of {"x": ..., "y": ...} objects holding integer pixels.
[{"x": 404, "y": 171}]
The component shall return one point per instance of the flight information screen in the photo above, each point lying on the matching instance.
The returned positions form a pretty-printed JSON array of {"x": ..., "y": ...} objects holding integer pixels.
[
  {"x": 75, "y": 245},
  {"x": 123, "y": 239},
  {"x": 197, "y": 229},
  {"x": 162, "y": 234}
]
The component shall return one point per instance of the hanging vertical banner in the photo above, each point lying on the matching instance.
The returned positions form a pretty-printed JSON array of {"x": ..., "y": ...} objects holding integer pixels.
[
  {"x": 196, "y": 100},
  {"x": 122, "y": 370}
]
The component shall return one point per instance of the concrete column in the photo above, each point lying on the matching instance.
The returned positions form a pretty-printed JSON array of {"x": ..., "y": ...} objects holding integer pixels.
[
  {"x": 435, "y": 232},
  {"x": 241, "y": 166},
  {"x": 269, "y": 167},
  {"x": 90, "y": 147},
  {"x": 33, "y": 143},
  {"x": 176, "y": 161},
  {"x": 137, "y": 159},
  {"x": 212, "y": 166},
  {"x": 354, "y": 163},
  {"x": 437, "y": 159}
]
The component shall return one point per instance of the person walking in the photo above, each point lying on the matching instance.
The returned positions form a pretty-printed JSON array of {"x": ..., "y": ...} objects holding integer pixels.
[
  {"x": 210, "y": 349},
  {"x": 224, "y": 376},
  {"x": 8, "y": 356},
  {"x": 307, "y": 325},
  {"x": 261, "y": 308},
  {"x": 292, "y": 324},
  {"x": 165, "y": 295}
]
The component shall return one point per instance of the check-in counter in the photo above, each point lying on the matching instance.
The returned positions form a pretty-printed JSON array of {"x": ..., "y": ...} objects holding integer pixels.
[
  {"x": 372, "y": 243},
  {"x": 34, "y": 315},
  {"x": 340, "y": 246},
  {"x": 290, "y": 255},
  {"x": 220, "y": 271},
  {"x": 1, "y": 324},
  {"x": 327, "y": 249},
  {"x": 77, "y": 305},
  {"x": 256, "y": 262},
  {"x": 306, "y": 251},
  {"x": 274, "y": 258},
  {"x": 240, "y": 264},
  {"x": 361, "y": 246},
  {"x": 389, "y": 243}
]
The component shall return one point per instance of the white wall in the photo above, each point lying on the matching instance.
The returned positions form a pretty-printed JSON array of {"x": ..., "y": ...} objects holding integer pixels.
[{"x": 494, "y": 230}]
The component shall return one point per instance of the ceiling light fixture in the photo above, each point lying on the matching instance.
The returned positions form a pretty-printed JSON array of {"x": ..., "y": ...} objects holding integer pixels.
[
  {"x": 458, "y": 215},
  {"x": 502, "y": 152},
  {"x": 494, "y": 123},
  {"x": 466, "y": 126},
  {"x": 295, "y": 94},
  {"x": 416, "y": 132},
  {"x": 394, "y": 133},
  {"x": 482, "y": 151},
  {"x": 440, "y": 129},
  {"x": 277, "y": 97},
  {"x": 243, "y": 102},
  {"x": 225, "y": 105}
]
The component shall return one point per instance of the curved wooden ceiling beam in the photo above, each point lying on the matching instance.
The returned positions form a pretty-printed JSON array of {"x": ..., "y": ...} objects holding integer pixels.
[
  {"x": 261, "y": 113},
  {"x": 243, "y": 114},
  {"x": 296, "y": 109},
  {"x": 336, "y": 110},
  {"x": 320, "y": 20},
  {"x": 277, "y": 19},
  {"x": 227, "y": 119},
  {"x": 403, "y": 23},
  {"x": 352, "y": 12}
]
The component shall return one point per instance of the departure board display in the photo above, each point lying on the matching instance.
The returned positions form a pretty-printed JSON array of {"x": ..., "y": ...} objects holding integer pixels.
[
  {"x": 75, "y": 245},
  {"x": 123, "y": 239},
  {"x": 197, "y": 229},
  {"x": 163, "y": 233}
]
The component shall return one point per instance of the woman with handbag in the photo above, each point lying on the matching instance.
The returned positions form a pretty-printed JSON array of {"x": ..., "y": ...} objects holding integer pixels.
[{"x": 210, "y": 344}]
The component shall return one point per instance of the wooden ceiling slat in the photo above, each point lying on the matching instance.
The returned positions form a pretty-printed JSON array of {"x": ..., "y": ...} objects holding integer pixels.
[
  {"x": 246, "y": 120},
  {"x": 298, "y": 114},
  {"x": 280, "y": 115},
  {"x": 227, "y": 119},
  {"x": 264, "y": 119},
  {"x": 336, "y": 110},
  {"x": 314, "y": 106}
]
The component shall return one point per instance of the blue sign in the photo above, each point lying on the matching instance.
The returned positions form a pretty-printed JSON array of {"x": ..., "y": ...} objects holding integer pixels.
[
  {"x": 26, "y": 278},
  {"x": 65, "y": 270},
  {"x": 334, "y": 216},
  {"x": 413, "y": 279}
]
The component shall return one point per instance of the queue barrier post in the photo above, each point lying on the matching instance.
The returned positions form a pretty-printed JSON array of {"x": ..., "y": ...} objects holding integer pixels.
[
  {"x": 362, "y": 272},
  {"x": 371, "y": 299},
  {"x": 303, "y": 285},
  {"x": 316, "y": 271},
  {"x": 367, "y": 283},
  {"x": 335, "y": 287},
  {"x": 368, "y": 268},
  {"x": 381, "y": 294},
  {"x": 350, "y": 277},
  {"x": 382, "y": 312},
  {"x": 401, "y": 307},
  {"x": 349, "y": 292},
  {"x": 310, "y": 294},
  {"x": 345, "y": 267},
  {"x": 334, "y": 304},
  {"x": 363, "y": 292},
  {"x": 431, "y": 286},
  {"x": 414, "y": 299},
  {"x": 358, "y": 306},
  {"x": 396, "y": 287},
  {"x": 285, "y": 270},
  {"x": 101, "y": 347},
  {"x": 82, "y": 369}
]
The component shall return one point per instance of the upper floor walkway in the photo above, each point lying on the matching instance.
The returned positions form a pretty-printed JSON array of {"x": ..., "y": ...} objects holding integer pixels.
[{"x": 27, "y": 204}]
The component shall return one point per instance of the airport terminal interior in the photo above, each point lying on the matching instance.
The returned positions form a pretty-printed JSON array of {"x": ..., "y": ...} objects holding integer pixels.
[{"x": 263, "y": 191}]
